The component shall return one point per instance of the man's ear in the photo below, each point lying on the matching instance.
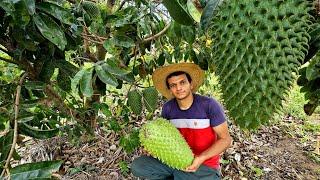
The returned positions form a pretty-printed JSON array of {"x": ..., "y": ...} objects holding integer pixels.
[{"x": 191, "y": 85}]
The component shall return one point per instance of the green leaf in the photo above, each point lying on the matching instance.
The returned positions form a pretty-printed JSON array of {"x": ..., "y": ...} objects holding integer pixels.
[
  {"x": 203, "y": 60},
  {"x": 91, "y": 8},
  {"x": 5, "y": 145},
  {"x": 114, "y": 125},
  {"x": 25, "y": 116},
  {"x": 64, "y": 15},
  {"x": 21, "y": 15},
  {"x": 188, "y": 33},
  {"x": 177, "y": 29},
  {"x": 134, "y": 101},
  {"x": 35, "y": 85},
  {"x": 109, "y": 46},
  {"x": 150, "y": 96},
  {"x": 161, "y": 59},
  {"x": 36, "y": 170},
  {"x": 105, "y": 109},
  {"x": 64, "y": 81},
  {"x": 29, "y": 103},
  {"x": 76, "y": 79},
  {"x": 313, "y": 69},
  {"x": 193, "y": 11},
  {"x": 86, "y": 83},
  {"x": 24, "y": 39},
  {"x": 208, "y": 13},
  {"x": 47, "y": 71},
  {"x": 314, "y": 44},
  {"x": 7, "y": 5},
  {"x": 66, "y": 67},
  {"x": 130, "y": 141},
  {"x": 118, "y": 72},
  {"x": 50, "y": 30},
  {"x": 177, "y": 12},
  {"x": 16, "y": 156},
  {"x": 66, "y": 73},
  {"x": 31, "y": 6},
  {"x": 112, "y": 67},
  {"x": 194, "y": 57},
  {"x": 123, "y": 41},
  {"x": 35, "y": 132},
  {"x": 105, "y": 76}
]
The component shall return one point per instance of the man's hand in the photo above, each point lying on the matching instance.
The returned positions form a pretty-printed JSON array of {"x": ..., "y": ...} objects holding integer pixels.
[
  {"x": 195, "y": 164},
  {"x": 145, "y": 152}
]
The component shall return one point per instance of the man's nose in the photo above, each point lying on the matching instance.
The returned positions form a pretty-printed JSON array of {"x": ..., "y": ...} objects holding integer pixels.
[{"x": 179, "y": 87}]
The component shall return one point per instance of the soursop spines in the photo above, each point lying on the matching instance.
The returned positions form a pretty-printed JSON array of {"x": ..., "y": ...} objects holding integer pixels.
[
  {"x": 163, "y": 141},
  {"x": 257, "y": 46}
]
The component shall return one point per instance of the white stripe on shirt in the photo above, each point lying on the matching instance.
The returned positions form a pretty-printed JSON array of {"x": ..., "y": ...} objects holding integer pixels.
[{"x": 191, "y": 123}]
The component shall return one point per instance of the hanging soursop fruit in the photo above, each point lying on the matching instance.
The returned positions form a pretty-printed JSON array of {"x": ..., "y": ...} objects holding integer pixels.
[
  {"x": 257, "y": 47},
  {"x": 163, "y": 141}
]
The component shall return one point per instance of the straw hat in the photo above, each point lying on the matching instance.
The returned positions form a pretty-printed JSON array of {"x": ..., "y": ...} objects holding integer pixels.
[{"x": 159, "y": 76}]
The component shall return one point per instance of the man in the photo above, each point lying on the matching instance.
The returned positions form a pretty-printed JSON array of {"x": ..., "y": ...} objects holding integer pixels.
[{"x": 201, "y": 121}]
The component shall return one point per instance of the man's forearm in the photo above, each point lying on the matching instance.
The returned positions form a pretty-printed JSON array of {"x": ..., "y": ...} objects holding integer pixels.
[{"x": 218, "y": 147}]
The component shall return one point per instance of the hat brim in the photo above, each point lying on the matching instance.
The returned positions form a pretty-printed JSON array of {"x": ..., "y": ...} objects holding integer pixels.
[{"x": 160, "y": 75}]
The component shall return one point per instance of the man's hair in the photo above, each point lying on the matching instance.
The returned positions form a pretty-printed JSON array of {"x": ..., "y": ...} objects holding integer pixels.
[{"x": 177, "y": 73}]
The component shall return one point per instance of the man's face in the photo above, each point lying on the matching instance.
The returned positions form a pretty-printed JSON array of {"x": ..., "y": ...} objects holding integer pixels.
[{"x": 180, "y": 86}]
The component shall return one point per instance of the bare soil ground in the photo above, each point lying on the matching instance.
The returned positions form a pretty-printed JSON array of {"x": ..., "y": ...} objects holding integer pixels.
[{"x": 281, "y": 151}]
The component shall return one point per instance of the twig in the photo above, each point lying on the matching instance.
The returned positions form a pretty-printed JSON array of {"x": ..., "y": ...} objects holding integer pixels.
[
  {"x": 157, "y": 35},
  {"x": 15, "y": 130},
  {"x": 94, "y": 41},
  {"x": 95, "y": 36},
  {"x": 8, "y": 60}
]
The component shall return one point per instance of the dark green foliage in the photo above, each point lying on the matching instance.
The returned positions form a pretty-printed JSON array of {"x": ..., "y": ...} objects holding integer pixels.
[
  {"x": 178, "y": 12},
  {"x": 258, "y": 45},
  {"x": 150, "y": 97},
  {"x": 130, "y": 142},
  {"x": 310, "y": 80},
  {"x": 5, "y": 146},
  {"x": 314, "y": 41},
  {"x": 208, "y": 13},
  {"x": 86, "y": 83},
  {"x": 91, "y": 8},
  {"x": 135, "y": 101},
  {"x": 28, "y": 130},
  {"x": 38, "y": 170}
]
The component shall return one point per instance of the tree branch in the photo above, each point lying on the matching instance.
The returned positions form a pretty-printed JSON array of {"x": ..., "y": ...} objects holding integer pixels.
[
  {"x": 4, "y": 50},
  {"x": 15, "y": 130},
  {"x": 8, "y": 60},
  {"x": 157, "y": 35}
]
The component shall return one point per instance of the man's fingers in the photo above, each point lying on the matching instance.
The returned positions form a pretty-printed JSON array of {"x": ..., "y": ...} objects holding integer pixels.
[{"x": 190, "y": 169}]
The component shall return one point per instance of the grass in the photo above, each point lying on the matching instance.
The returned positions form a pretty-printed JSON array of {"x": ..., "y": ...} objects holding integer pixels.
[{"x": 293, "y": 106}]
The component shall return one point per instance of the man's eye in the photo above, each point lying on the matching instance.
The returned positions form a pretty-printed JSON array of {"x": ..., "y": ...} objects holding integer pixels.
[
  {"x": 172, "y": 85},
  {"x": 183, "y": 82}
]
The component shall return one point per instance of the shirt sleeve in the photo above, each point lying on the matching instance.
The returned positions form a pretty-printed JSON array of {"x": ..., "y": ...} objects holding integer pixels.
[{"x": 215, "y": 113}]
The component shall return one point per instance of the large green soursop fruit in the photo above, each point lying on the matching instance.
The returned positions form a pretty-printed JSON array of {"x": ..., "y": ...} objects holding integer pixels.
[
  {"x": 163, "y": 141},
  {"x": 257, "y": 45}
]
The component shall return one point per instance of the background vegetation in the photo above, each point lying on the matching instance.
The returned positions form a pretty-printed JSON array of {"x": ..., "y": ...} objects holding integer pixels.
[{"x": 68, "y": 68}]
